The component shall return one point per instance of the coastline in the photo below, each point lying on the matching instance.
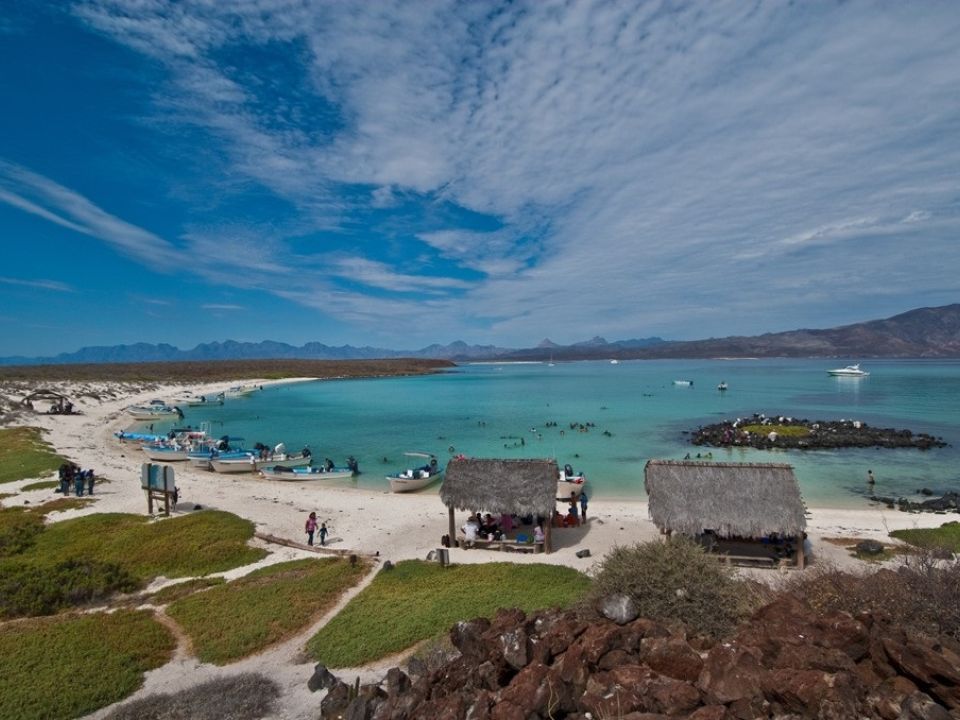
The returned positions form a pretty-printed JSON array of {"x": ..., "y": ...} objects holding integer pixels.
[{"x": 392, "y": 527}]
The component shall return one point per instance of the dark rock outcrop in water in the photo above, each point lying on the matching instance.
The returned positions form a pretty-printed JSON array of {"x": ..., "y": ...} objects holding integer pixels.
[
  {"x": 947, "y": 502},
  {"x": 787, "y": 662},
  {"x": 820, "y": 435}
]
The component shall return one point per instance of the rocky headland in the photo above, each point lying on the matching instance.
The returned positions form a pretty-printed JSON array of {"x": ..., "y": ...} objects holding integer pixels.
[
  {"x": 787, "y": 661},
  {"x": 766, "y": 433}
]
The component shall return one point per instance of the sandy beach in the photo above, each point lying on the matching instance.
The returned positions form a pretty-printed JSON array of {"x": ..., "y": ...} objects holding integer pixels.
[{"x": 392, "y": 527}]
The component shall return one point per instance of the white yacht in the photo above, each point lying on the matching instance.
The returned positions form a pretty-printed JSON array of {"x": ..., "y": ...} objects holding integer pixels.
[{"x": 848, "y": 371}]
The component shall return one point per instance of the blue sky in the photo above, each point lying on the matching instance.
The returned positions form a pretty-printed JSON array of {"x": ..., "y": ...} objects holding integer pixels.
[{"x": 399, "y": 173}]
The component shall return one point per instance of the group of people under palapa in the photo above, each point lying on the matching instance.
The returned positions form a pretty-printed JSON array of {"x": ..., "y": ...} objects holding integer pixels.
[
  {"x": 71, "y": 475},
  {"x": 311, "y": 528},
  {"x": 485, "y": 527}
]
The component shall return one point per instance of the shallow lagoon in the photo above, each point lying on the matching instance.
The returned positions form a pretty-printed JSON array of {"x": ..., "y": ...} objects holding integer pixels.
[{"x": 503, "y": 410}]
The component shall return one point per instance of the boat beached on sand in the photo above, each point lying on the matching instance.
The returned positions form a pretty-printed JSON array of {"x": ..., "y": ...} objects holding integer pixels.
[
  {"x": 281, "y": 471},
  {"x": 418, "y": 477}
]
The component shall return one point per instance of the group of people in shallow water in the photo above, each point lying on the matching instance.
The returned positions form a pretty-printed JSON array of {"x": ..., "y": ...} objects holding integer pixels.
[{"x": 71, "y": 476}]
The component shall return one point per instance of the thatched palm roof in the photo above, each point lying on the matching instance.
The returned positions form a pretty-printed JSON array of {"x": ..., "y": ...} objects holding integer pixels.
[
  {"x": 732, "y": 499},
  {"x": 523, "y": 487}
]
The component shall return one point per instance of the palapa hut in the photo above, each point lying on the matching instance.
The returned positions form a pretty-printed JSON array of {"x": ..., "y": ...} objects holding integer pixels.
[
  {"x": 61, "y": 403},
  {"x": 521, "y": 487},
  {"x": 751, "y": 502}
]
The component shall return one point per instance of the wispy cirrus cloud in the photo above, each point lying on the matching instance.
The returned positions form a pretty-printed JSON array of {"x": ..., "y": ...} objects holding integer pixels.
[
  {"x": 221, "y": 306},
  {"x": 40, "y": 196},
  {"x": 54, "y": 285}
]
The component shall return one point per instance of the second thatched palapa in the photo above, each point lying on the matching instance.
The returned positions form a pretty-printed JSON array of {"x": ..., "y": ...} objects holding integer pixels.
[{"x": 750, "y": 501}]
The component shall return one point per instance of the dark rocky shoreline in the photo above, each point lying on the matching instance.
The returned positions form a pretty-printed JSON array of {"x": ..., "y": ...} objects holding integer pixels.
[{"x": 821, "y": 435}]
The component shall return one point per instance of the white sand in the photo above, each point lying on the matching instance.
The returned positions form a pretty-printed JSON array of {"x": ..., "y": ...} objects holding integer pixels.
[{"x": 398, "y": 527}]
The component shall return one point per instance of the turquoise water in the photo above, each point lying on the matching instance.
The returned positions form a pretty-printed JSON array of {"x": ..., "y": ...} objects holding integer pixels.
[{"x": 485, "y": 410}]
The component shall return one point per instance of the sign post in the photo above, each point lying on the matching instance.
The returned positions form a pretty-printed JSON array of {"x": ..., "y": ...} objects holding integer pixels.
[{"x": 158, "y": 482}]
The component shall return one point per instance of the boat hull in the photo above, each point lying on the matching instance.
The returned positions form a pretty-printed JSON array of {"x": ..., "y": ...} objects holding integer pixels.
[
  {"x": 251, "y": 464},
  {"x": 162, "y": 455},
  {"x": 305, "y": 473},
  {"x": 400, "y": 484}
]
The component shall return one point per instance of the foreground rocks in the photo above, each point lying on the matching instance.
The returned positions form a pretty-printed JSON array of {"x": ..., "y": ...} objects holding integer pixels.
[
  {"x": 822, "y": 434},
  {"x": 787, "y": 662}
]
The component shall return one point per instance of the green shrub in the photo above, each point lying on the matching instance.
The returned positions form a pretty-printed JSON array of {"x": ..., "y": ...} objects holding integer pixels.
[
  {"x": 67, "y": 667},
  {"x": 19, "y": 529},
  {"x": 945, "y": 537},
  {"x": 42, "y": 485},
  {"x": 673, "y": 582},
  {"x": 24, "y": 454},
  {"x": 182, "y": 589},
  {"x": 27, "y": 589}
]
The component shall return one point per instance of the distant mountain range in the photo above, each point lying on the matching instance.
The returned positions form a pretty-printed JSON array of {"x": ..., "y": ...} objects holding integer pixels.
[{"x": 921, "y": 333}]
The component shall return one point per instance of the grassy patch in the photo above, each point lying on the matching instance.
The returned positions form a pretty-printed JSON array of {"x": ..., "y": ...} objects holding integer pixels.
[
  {"x": 417, "y": 600},
  {"x": 68, "y": 667},
  {"x": 249, "y": 614},
  {"x": 174, "y": 592},
  {"x": 24, "y": 454},
  {"x": 45, "y": 568},
  {"x": 42, "y": 485},
  {"x": 946, "y": 536},
  {"x": 782, "y": 430}
]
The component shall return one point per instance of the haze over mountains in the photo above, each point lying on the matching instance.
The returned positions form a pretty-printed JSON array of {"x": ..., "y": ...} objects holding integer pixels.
[{"x": 920, "y": 333}]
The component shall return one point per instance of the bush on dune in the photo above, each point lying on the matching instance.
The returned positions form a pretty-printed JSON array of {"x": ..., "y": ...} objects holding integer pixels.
[
  {"x": 29, "y": 590},
  {"x": 243, "y": 697},
  {"x": 674, "y": 582}
]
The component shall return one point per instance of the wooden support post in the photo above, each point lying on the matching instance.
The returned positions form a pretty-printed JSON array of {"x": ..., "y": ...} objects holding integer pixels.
[
  {"x": 547, "y": 542},
  {"x": 452, "y": 529},
  {"x": 801, "y": 557}
]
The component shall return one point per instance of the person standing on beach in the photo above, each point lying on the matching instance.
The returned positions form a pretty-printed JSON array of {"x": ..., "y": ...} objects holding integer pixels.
[
  {"x": 323, "y": 533},
  {"x": 583, "y": 506},
  {"x": 90, "y": 481},
  {"x": 311, "y": 527},
  {"x": 78, "y": 482}
]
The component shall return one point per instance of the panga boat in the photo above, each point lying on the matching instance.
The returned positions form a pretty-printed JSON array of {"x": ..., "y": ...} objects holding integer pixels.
[
  {"x": 285, "y": 472},
  {"x": 252, "y": 463},
  {"x": 156, "y": 410},
  {"x": 417, "y": 477},
  {"x": 570, "y": 483},
  {"x": 848, "y": 371}
]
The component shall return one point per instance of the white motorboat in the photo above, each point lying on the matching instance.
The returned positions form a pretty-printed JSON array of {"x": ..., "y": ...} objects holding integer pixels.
[
  {"x": 569, "y": 483},
  {"x": 683, "y": 383},
  {"x": 722, "y": 387},
  {"x": 155, "y": 411},
  {"x": 166, "y": 453},
  {"x": 252, "y": 463},
  {"x": 285, "y": 472},
  {"x": 416, "y": 478},
  {"x": 848, "y": 371}
]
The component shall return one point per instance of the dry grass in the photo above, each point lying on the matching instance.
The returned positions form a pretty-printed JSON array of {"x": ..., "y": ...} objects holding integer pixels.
[{"x": 243, "y": 697}]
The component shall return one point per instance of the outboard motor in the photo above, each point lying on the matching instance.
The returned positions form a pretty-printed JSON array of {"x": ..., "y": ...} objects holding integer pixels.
[{"x": 568, "y": 471}]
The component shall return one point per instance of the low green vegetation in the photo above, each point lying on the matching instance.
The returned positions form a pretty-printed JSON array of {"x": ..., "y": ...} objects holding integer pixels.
[
  {"x": 946, "y": 537},
  {"x": 674, "y": 581},
  {"x": 242, "y": 617},
  {"x": 46, "y": 568},
  {"x": 42, "y": 485},
  {"x": 783, "y": 430},
  {"x": 417, "y": 600},
  {"x": 182, "y": 589},
  {"x": 70, "y": 666},
  {"x": 24, "y": 454}
]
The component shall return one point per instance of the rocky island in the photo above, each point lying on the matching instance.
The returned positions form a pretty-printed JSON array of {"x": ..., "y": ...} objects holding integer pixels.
[{"x": 766, "y": 433}]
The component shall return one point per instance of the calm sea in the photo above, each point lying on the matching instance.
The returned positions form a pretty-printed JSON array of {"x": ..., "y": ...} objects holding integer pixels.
[{"x": 629, "y": 413}]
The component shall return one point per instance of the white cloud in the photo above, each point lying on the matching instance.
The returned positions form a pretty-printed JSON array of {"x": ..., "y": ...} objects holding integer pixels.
[
  {"x": 221, "y": 306},
  {"x": 681, "y": 169}
]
